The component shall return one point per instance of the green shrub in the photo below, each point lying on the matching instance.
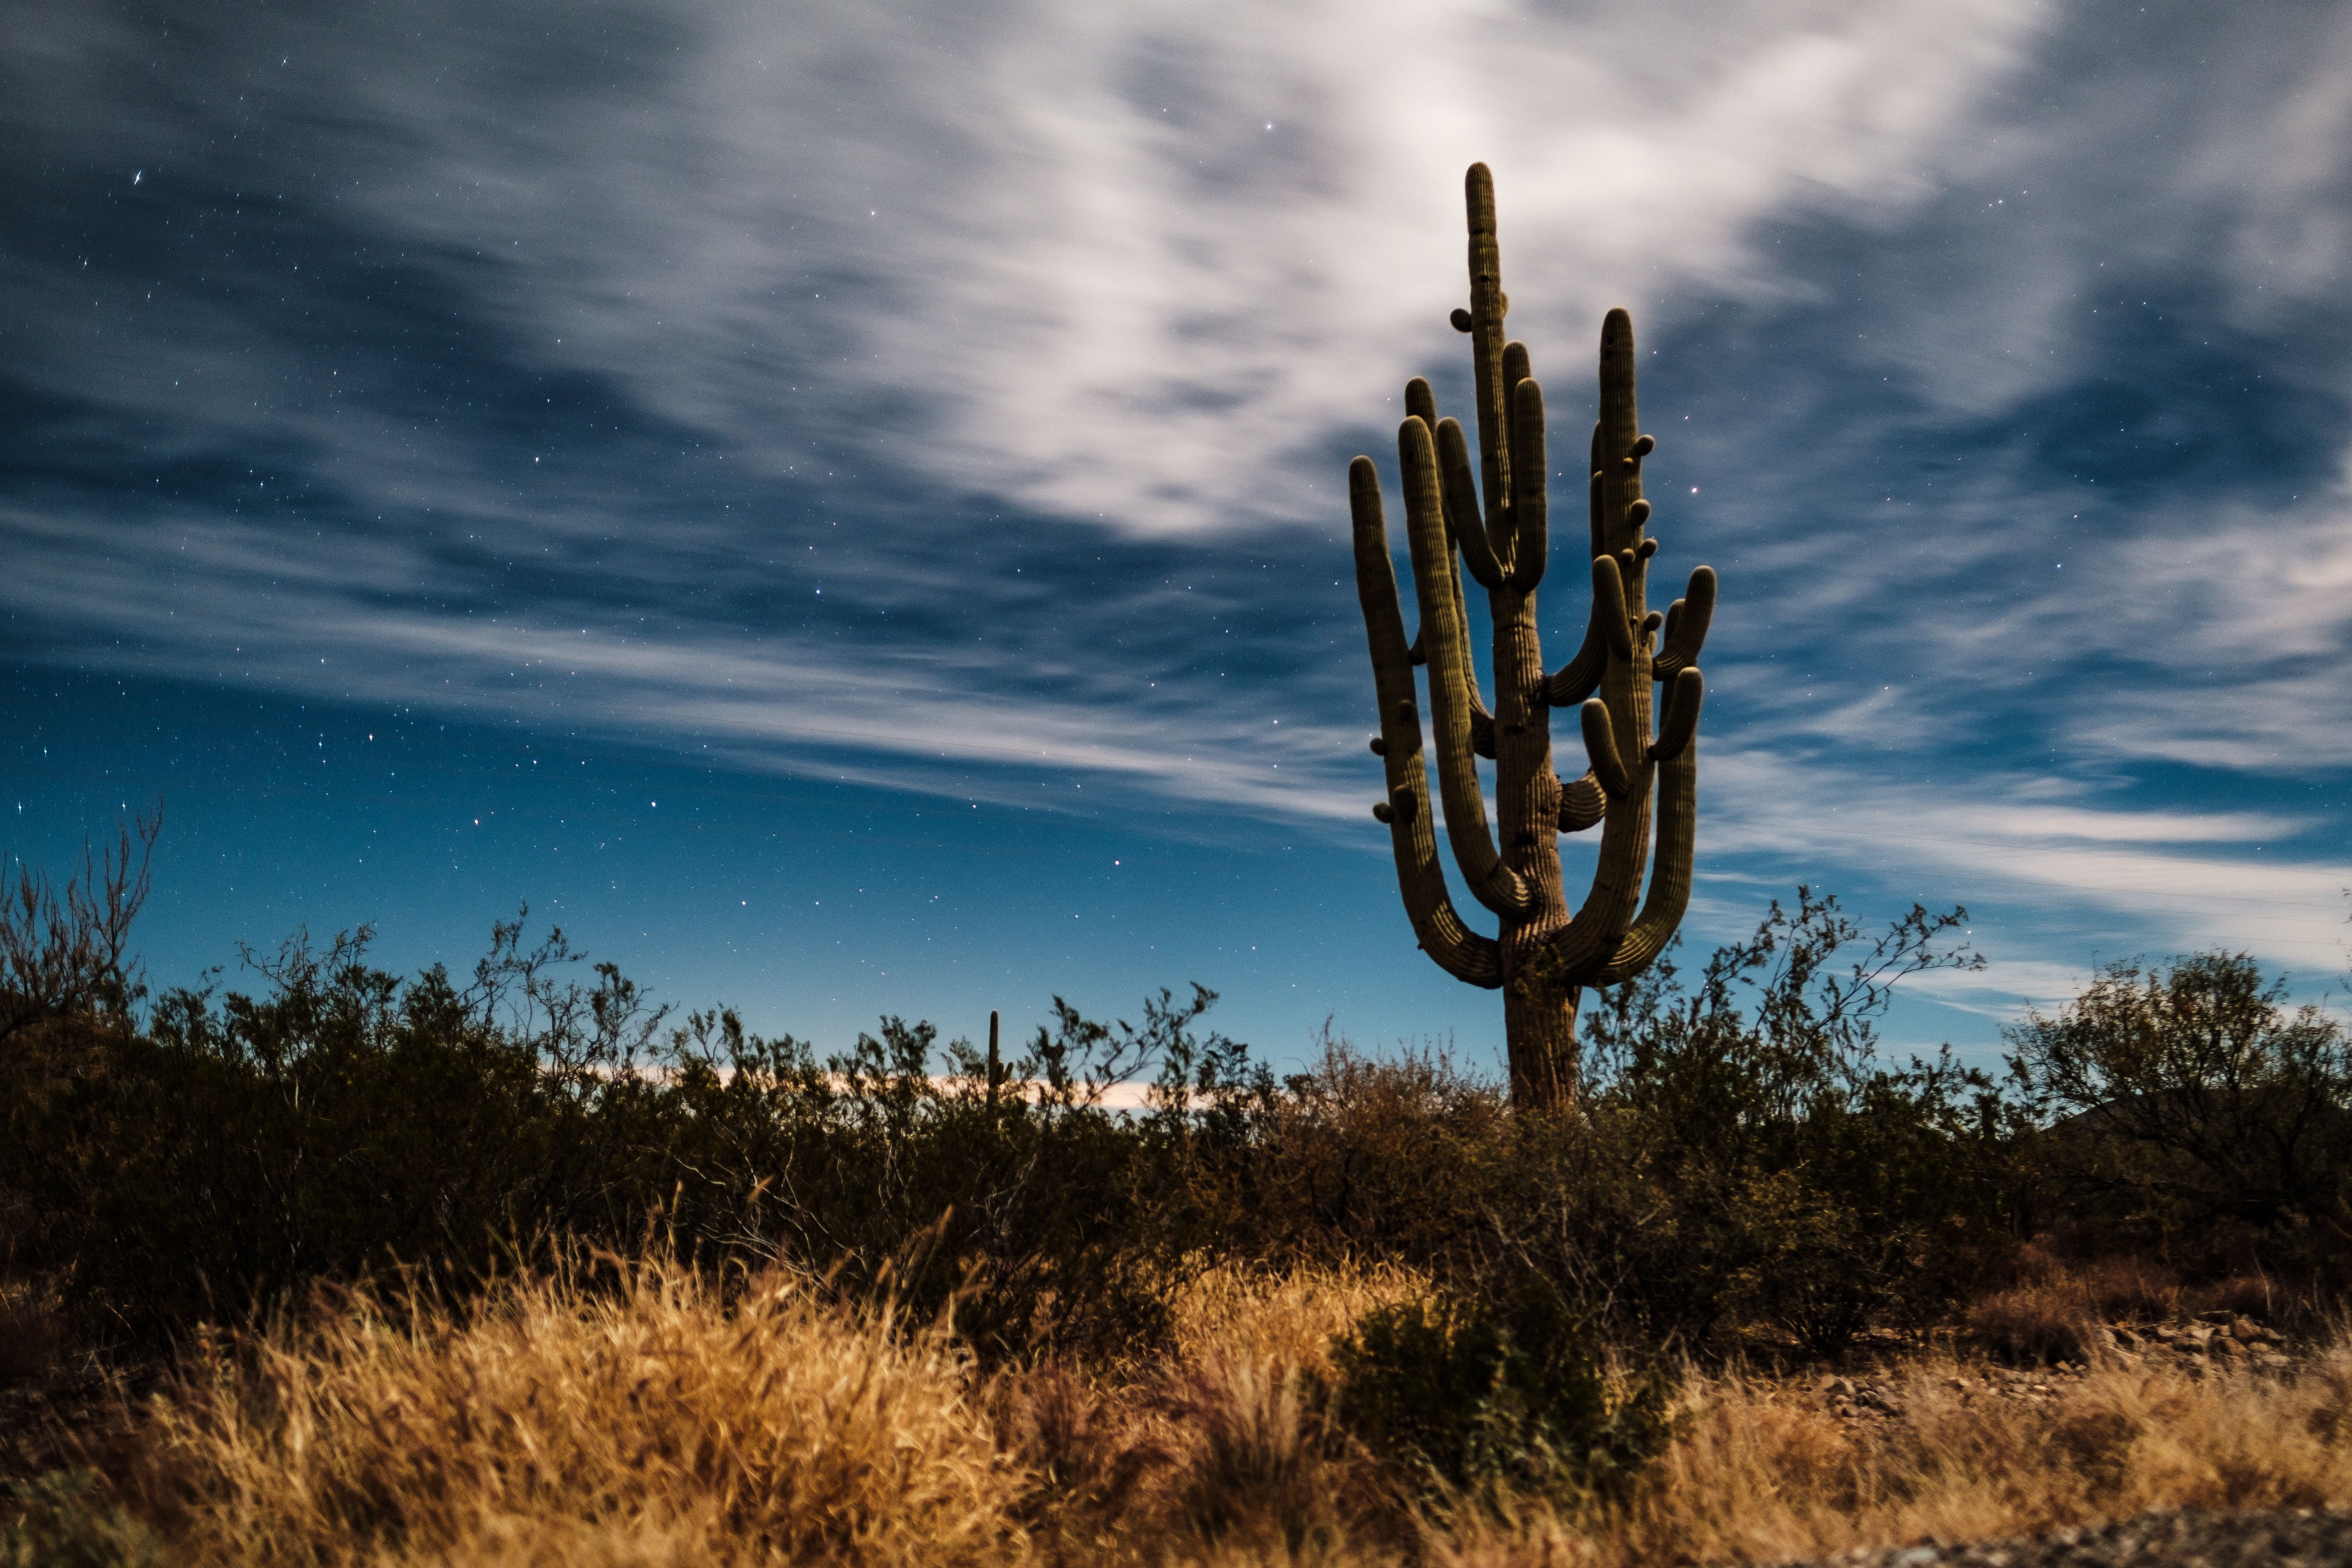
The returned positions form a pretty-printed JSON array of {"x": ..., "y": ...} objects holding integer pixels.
[
  {"x": 239, "y": 1146},
  {"x": 1469, "y": 1390},
  {"x": 2189, "y": 1111},
  {"x": 60, "y": 1519},
  {"x": 1741, "y": 1157},
  {"x": 1776, "y": 1171}
]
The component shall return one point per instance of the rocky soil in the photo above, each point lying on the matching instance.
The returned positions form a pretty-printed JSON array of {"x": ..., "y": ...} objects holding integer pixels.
[
  {"x": 2301, "y": 1537},
  {"x": 2209, "y": 1343}
]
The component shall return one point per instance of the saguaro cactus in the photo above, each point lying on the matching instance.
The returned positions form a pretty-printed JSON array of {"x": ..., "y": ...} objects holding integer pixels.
[{"x": 1493, "y": 525}]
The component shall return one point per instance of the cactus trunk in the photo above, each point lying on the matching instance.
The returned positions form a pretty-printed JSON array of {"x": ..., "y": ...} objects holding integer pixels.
[
  {"x": 1539, "y": 1027},
  {"x": 1494, "y": 524}
]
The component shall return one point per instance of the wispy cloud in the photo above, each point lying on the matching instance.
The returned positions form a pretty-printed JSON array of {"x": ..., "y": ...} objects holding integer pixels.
[{"x": 960, "y": 398}]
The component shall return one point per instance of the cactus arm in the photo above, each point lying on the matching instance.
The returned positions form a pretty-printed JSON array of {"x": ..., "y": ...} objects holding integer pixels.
[
  {"x": 1459, "y": 950},
  {"x": 1600, "y": 925},
  {"x": 1467, "y": 540},
  {"x": 1420, "y": 402},
  {"x": 1605, "y": 633},
  {"x": 1530, "y": 540},
  {"x": 1462, "y": 506},
  {"x": 1515, "y": 370},
  {"x": 1609, "y": 612},
  {"x": 1488, "y": 305},
  {"x": 1686, "y": 625},
  {"x": 1574, "y": 681},
  {"x": 1670, "y": 883},
  {"x": 1482, "y": 721},
  {"x": 1458, "y": 489},
  {"x": 1600, "y": 746},
  {"x": 1582, "y": 802},
  {"x": 1445, "y": 638},
  {"x": 1680, "y": 721},
  {"x": 1599, "y": 531}
]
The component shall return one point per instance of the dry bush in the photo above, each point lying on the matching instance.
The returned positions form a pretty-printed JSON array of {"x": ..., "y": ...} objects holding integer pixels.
[
  {"x": 1221, "y": 1448},
  {"x": 1258, "y": 1463},
  {"x": 1763, "y": 1474},
  {"x": 1288, "y": 1317},
  {"x": 2255, "y": 1296},
  {"x": 624, "y": 1417},
  {"x": 2055, "y": 1309},
  {"x": 1083, "y": 1447}
]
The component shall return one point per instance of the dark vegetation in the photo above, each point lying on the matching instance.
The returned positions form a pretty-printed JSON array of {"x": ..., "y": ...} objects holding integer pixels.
[{"x": 1743, "y": 1169}]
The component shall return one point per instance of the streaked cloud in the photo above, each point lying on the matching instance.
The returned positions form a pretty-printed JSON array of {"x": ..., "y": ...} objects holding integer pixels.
[{"x": 959, "y": 399}]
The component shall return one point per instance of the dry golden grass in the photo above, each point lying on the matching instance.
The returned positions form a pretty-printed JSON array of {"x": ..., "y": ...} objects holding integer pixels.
[
  {"x": 1287, "y": 1317},
  {"x": 634, "y": 1419},
  {"x": 637, "y": 1420},
  {"x": 1762, "y": 1473},
  {"x": 2057, "y": 1307}
]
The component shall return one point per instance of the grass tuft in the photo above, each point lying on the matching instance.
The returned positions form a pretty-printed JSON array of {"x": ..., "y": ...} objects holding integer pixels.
[{"x": 615, "y": 1412}]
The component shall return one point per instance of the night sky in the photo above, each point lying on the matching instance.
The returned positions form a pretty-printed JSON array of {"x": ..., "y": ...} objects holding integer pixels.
[{"x": 842, "y": 507}]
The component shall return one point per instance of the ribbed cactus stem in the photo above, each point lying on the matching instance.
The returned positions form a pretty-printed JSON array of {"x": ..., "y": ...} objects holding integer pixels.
[
  {"x": 1453, "y": 683},
  {"x": 1643, "y": 764},
  {"x": 1681, "y": 720},
  {"x": 1487, "y": 307},
  {"x": 1462, "y": 520},
  {"x": 1459, "y": 950},
  {"x": 1600, "y": 746}
]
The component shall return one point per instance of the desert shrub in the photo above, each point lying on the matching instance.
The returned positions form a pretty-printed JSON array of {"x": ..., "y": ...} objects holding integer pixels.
[
  {"x": 1056, "y": 1221},
  {"x": 62, "y": 1519},
  {"x": 341, "y": 1120},
  {"x": 1473, "y": 1391},
  {"x": 239, "y": 1145},
  {"x": 1774, "y": 1168},
  {"x": 67, "y": 981},
  {"x": 2189, "y": 1111},
  {"x": 1741, "y": 1156},
  {"x": 1402, "y": 1159}
]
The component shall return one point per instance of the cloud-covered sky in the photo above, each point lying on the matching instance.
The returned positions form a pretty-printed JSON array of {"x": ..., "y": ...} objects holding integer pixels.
[{"x": 842, "y": 506}]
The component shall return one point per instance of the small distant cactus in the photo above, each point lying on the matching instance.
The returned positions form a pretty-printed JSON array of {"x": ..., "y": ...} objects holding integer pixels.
[{"x": 1544, "y": 956}]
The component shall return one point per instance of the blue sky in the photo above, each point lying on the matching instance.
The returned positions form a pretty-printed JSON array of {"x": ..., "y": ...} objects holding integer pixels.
[{"x": 842, "y": 507}]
